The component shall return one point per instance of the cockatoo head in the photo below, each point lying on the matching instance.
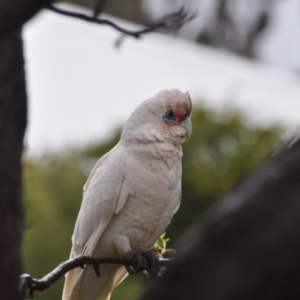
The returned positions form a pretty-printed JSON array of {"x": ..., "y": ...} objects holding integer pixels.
[{"x": 162, "y": 118}]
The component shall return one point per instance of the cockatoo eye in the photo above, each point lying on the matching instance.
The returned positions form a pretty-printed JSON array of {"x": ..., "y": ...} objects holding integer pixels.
[{"x": 169, "y": 117}]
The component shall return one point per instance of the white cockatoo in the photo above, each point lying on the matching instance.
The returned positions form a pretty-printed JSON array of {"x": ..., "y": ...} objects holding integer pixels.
[{"x": 131, "y": 194}]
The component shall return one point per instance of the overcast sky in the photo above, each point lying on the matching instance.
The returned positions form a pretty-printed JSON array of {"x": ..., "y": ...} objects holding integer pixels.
[
  {"x": 280, "y": 44},
  {"x": 80, "y": 87}
]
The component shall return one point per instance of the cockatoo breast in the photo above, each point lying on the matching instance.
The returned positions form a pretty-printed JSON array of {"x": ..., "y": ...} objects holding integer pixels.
[{"x": 154, "y": 190}]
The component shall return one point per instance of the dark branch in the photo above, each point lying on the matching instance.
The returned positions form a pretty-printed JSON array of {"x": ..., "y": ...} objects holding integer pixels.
[
  {"x": 171, "y": 22},
  {"x": 31, "y": 284}
]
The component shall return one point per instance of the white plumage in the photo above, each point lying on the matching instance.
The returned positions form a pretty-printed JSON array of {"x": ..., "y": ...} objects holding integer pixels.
[{"x": 132, "y": 193}]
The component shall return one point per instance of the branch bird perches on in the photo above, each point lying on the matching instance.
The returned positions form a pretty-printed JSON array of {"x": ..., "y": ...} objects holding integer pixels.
[{"x": 26, "y": 282}]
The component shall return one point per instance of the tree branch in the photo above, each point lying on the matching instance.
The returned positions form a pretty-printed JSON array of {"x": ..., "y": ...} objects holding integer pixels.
[
  {"x": 26, "y": 282},
  {"x": 172, "y": 22}
]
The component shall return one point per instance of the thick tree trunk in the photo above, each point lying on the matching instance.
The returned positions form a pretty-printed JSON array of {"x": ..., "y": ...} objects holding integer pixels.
[
  {"x": 14, "y": 13},
  {"x": 249, "y": 246},
  {"x": 13, "y": 113}
]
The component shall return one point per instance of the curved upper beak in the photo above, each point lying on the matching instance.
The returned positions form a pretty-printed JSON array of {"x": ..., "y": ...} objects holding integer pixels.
[{"x": 187, "y": 125}]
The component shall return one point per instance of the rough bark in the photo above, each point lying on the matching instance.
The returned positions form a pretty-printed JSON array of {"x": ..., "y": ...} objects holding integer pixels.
[
  {"x": 249, "y": 245},
  {"x": 13, "y": 111},
  {"x": 12, "y": 128}
]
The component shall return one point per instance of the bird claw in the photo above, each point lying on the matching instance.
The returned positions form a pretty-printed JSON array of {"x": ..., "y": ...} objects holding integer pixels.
[
  {"x": 97, "y": 270},
  {"x": 141, "y": 262},
  {"x": 153, "y": 264}
]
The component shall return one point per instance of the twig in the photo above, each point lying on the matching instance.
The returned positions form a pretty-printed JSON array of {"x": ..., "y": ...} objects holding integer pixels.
[
  {"x": 171, "y": 22},
  {"x": 31, "y": 284},
  {"x": 99, "y": 6}
]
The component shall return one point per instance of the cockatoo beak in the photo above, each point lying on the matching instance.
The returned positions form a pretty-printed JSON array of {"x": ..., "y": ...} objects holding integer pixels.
[{"x": 187, "y": 125}]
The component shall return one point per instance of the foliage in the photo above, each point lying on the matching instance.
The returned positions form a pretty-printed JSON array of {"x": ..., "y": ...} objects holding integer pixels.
[
  {"x": 160, "y": 246},
  {"x": 221, "y": 152}
]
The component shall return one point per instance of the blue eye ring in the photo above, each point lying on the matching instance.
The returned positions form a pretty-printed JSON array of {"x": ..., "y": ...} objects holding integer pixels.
[{"x": 169, "y": 116}]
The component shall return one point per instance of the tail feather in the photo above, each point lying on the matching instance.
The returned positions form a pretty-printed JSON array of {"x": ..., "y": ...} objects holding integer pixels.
[
  {"x": 72, "y": 283},
  {"x": 85, "y": 285},
  {"x": 120, "y": 275}
]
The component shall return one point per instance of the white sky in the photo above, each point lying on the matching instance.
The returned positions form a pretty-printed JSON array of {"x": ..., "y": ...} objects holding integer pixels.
[
  {"x": 80, "y": 87},
  {"x": 280, "y": 44}
]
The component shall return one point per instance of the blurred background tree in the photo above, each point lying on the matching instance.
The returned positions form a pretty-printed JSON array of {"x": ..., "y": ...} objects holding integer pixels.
[
  {"x": 222, "y": 150},
  {"x": 233, "y": 25}
]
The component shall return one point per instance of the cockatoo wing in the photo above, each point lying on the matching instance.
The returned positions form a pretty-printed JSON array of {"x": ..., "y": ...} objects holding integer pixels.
[{"x": 104, "y": 195}]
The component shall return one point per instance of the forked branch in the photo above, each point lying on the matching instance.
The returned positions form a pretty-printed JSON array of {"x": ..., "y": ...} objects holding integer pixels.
[{"x": 171, "y": 22}]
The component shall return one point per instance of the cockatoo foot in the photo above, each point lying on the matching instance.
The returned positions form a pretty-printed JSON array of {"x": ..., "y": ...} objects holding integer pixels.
[
  {"x": 141, "y": 262},
  {"x": 152, "y": 265}
]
